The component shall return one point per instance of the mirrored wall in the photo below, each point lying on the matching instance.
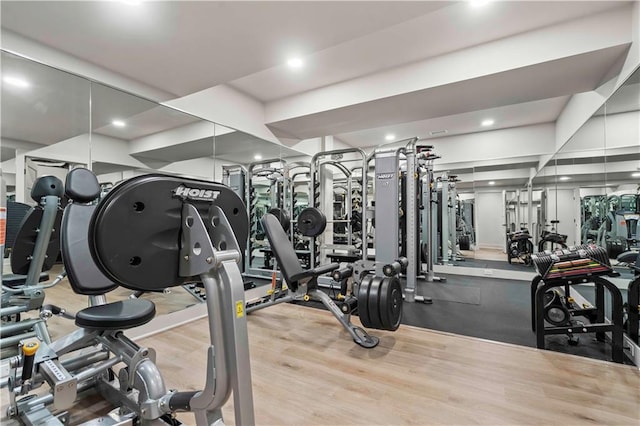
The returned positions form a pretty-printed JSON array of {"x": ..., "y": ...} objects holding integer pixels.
[
  {"x": 592, "y": 184},
  {"x": 54, "y": 121}
]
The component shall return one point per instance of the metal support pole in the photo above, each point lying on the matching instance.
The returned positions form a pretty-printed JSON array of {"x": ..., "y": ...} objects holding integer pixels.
[{"x": 42, "y": 240}]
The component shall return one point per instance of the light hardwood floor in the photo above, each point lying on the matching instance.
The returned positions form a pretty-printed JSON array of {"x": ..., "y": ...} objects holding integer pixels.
[{"x": 307, "y": 371}]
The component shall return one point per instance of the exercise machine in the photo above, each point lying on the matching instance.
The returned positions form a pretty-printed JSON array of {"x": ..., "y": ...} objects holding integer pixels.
[
  {"x": 302, "y": 285},
  {"x": 35, "y": 250},
  {"x": 552, "y": 240},
  {"x": 447, "y": 241},
  {"x": 632, "y": 324},
  {"x": 554, "y": 301},
  {"x": 266, "y": 183},
  {"x": 519, "y": 246},
  {"x": 345, "y": 239},
  {"x": 175, "y": 229}
]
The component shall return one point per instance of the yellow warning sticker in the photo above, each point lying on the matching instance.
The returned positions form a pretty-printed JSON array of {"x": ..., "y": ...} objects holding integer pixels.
[{"x": 239, "y": 309}]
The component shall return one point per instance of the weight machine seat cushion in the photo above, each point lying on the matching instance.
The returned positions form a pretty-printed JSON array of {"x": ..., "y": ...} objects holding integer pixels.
[
  {"x": 282, "y": 249},
  {"x": 120, "y": 315},
  {"x": 82, "y": 185},
  {"x": 82, "y": 272},
  {"x": 286, "y": 255}
]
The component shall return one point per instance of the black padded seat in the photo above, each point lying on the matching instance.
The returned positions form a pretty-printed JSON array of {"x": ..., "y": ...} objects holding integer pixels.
[
  {"x": 120, "y": 315},
  {"x": 286, "y": 256}
]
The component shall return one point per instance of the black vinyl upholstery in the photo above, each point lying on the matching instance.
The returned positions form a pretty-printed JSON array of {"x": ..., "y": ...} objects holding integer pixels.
[
  {"x": 117, "y": 315},
  {"x": 82, "y": 185},
  {"x": 82, "y": 272},
  {"x": 286, "y": 256}
]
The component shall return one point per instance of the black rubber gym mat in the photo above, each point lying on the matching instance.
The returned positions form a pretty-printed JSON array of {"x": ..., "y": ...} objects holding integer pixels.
[
  {"x": 502, "y": 313},
  {"x": 495, "y": 264},
  {"x": 450, "y": 292}
]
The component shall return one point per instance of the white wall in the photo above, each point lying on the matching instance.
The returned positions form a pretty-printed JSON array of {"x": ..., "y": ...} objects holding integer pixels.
[
  {"x": 507, "y": 144},
  {"x": 225, "y": 105},
  {"x": 489, "y": 211},
  {"x": 562, "y": 205}
]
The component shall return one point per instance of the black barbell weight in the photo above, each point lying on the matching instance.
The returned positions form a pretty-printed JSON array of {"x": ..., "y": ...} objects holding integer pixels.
[
  {"x": 373, "y": 303},
  {"x": 311, "y": 222},
  {"x": 390, "y": 303},
  {"x": 283, "y": 217},
  {"x": 363, "y": 300}
]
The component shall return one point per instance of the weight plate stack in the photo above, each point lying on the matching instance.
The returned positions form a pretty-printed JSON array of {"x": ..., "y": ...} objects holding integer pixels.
[
  {"x": 374, "y": 303},
  {"x": 363, "y": 301},
  {"x": 380, "y": 302},
  {"x": 390, "y": 303}
]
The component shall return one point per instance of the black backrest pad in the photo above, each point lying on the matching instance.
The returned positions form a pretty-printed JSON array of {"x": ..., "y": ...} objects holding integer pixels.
[
  {"x": 46, "y": 185},
  {"x": 25, "y": 242},
  {"x": 82, "y": 185},
  {"x": 282, "y": 248},
  {"x": 16, "y": 212},
  {"x": 136, "y": 229},
  {"x": 82, "y": 272}
]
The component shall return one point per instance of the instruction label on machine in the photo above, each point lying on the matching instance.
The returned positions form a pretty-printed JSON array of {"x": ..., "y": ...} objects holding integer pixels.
[{"x": 239, "y": 309}]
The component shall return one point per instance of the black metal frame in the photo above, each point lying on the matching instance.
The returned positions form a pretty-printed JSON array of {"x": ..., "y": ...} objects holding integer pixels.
[{"x": 600, "y": 327}]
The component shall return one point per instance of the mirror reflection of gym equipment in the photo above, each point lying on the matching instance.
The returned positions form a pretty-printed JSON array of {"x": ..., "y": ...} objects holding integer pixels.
[{"x": 507, "y": 222}]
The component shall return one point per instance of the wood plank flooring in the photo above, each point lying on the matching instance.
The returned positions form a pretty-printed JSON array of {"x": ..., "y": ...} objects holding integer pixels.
[{"x": 307, "y": 371}]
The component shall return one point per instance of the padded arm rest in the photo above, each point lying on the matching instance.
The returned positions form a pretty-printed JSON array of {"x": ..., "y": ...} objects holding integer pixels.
[{"x": 316, "y": 272}]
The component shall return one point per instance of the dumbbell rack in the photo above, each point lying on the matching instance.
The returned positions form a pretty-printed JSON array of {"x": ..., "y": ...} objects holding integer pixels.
[{"x": 578, "y": 265}]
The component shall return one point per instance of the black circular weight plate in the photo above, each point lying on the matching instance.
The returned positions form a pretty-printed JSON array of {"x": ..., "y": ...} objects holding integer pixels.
[
  {"x": 135, "y": 232},
  {"x": 373, "y": 303},
  {"x": 424, "y": 252},
  {"x": 390, "y": 303},
  {"x": 363, "y": 297},
  {"x": 283, "y": 217},
  {"x": 311, "y": 222},
  {"x": 556, "y": 315}
]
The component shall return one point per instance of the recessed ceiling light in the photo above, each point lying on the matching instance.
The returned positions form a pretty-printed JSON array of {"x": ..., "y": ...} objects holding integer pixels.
[
  {"x": 390, "y": 137},
  {"x": 492, "y": 182},
  {"x": 488, "y": 122},
  {"x": 564, "y": 178},
  {"x": 118, "y": 123},
  {"x": 16, "y": 81},
  {"x": 295, "y": 63},
  {"x": 438, "y": 132},
  {"x": 257, "y": 157},
  {"x": 478, "y": 3},
  {"x": 636, "y": 174},
  {"x": 131, "y": 2}
]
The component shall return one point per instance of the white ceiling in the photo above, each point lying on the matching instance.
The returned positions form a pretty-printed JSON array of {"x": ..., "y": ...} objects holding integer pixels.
[{"x": 184, "y": 47}]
